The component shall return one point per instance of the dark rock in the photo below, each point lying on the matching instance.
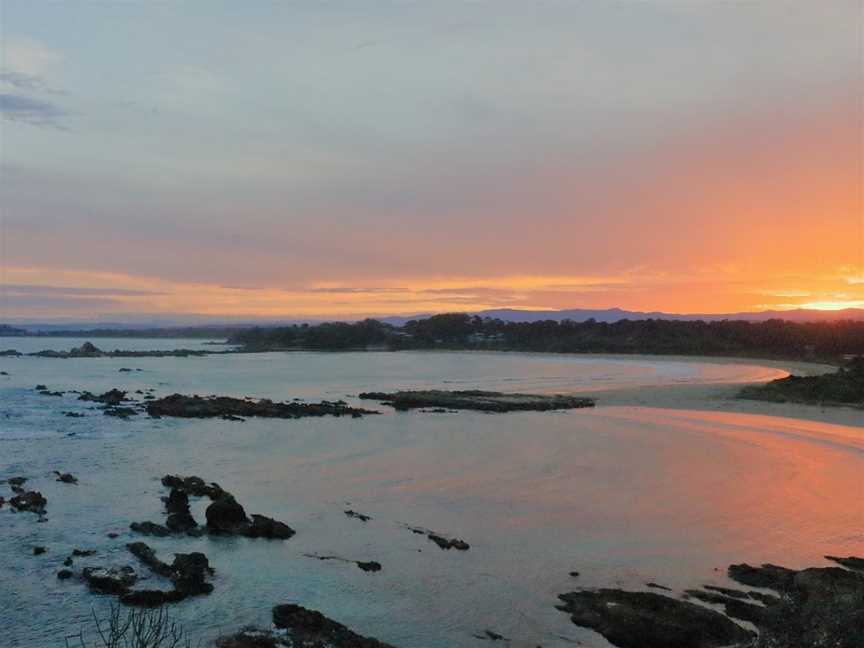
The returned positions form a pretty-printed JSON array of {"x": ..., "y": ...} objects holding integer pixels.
[
  {"x": 265, "y": 527},
  {"x": 484, "y": 401},
  {"x": 16, "y": 481},
  {"x": 111, "y": 397},
  {"x": 150, "y": 528},
  {"x": 41, "y": 388},
  {"x": 120, "y": 412},
  {"x": 358, "y": 516},
  {"x": 38, "y": 551},
  {"x": 369, "y": 566},
  {"x": 178, "y": 405},
  {"x": 113, "y": 580},
  {"x": 448, "y": 543},
  {"x": 68, "y": 561},
  {"x": 32, "y": 501},
  {"x": 113, "y": 535},
  {"x": 124, "y": 370},
  {"x": 770, "y": 576},
  {"x": 658, "y": 586},
  {"x": 852, "y": 562},
  {"x": 250, "y": 638},
  {"x": 64, "y": 574},
  {"x": 489, "y": 635},
  {"x": 181, "y": 522},
  {"x": 151, "y": 598},
  {"x": 312, "y": 629},
  {"x": 81, "y": 553},
  {"x": 66, "y": 478},
  {"x": 574, "y": 574},
  {"x": 147, "y": 556},
  {"x": 194, "y": 486},
  {"x": 648, "y": 620},
  {"x": 225, "y": 515}
]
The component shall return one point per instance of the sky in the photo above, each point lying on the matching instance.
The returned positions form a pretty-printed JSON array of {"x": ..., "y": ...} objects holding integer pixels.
[{"x": 343, "y": 159}]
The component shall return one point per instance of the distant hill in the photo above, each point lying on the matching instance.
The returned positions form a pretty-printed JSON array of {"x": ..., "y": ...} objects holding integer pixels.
[{"x": 617, "y": 314}]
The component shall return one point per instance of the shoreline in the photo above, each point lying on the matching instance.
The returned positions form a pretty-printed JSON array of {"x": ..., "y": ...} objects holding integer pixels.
[{"x": 723, "y": 396}]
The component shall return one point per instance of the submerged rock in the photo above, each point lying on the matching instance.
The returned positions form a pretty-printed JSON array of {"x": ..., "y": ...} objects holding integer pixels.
[
  {"x": 484, "y": 401},
  {"x": 66, "y": 478},
  {"x": 358, "y": 516}
]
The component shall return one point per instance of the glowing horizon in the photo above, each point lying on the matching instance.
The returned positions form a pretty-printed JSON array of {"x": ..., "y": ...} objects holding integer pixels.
[{"x": 405, "y": 159}]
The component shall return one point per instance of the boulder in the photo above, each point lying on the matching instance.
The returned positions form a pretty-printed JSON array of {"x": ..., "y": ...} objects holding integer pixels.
[
  {"x": 225, "y": 515},
  {"x": 111, "y": 580}
]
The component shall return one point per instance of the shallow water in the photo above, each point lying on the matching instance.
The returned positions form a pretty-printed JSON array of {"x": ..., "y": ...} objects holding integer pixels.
[{"x": 624, "y": 495}]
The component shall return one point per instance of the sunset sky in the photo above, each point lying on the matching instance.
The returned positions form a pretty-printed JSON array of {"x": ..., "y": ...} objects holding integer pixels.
[{"x": 344, "y": 158}]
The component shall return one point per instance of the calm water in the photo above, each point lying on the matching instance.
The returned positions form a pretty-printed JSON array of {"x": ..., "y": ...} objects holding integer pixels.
[{"x": 624, "y": 495}]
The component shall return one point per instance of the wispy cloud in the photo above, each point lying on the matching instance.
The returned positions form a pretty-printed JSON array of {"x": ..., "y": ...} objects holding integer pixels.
[{"x": 30, "y": 110}]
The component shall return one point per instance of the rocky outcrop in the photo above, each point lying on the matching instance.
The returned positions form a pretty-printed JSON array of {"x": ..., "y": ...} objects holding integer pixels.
[
  {"x": 178, "y": 405},
  {"x": 32, "y": 501},
  {"x": 442, "y": 541},
  {"x": 110, "y": 580},
  {"x": 648, "y": 620},
  {"x": 818, "y": 608},
  {"x": 188, "y": 573},
  {"x": 312, "y": 629},
  {"x": 484, "y": 401},
  {"x": 227, "y": 516}
]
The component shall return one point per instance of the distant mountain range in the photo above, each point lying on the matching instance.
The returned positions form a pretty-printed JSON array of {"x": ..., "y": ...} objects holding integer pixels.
[
  {"x": 617, "y": 314},
  {"x": 506, "y": 314}
]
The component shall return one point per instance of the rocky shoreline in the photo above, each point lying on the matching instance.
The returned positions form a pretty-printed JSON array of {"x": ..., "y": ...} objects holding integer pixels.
[
  {"x": 819, "y": 607},
  {"x": 483, "y": 401},
  {"x": 844, "y": 387}
]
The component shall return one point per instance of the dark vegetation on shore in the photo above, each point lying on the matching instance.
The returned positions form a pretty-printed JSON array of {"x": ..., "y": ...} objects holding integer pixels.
[
  {"x": 774, "y": 338},
  {"x": 845, "y": 386}
]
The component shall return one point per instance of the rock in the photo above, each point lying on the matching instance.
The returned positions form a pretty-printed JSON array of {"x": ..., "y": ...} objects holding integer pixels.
[
  {"x": 369, "y": 566},
  {"x": 38, "y": 551},
  {"x": 489, "y": 635},
  {"x": 124, "y": 370},
  {"x": 114, "y": 580},
  {"x": 225, "y": 515},
  {"x": 250, "y": 638},
  {"x": 770, "y": 576},
  {"x": 111, "y": 397},
  {"x": 64, "y": 574},
  {"x": 448, "y": 543},
  {"x": 16, "y": 481},
  {"x": 312, "y": 629},
  {"x": 648, "y": 620},
  {"x": 120, "y": 412},
  {"x": 358, "y": 516},
  {"x": 150, "y": 528},
  {"x": 68, "y": 561},
  {"x": 265, "y": 527},
  {"x": 147, "y": 556},
  {"x": 66, "y": 478},
  {"x": 852, "y": 562},
  {"x": 188, "y": 573},
  {"x": 192, "y": 486},
  {"x": 41, "y": 388},
  {"x": 574, "y": 574},
  {"x": 81, "y": 553},
  {"x": 112, "y": 535},
  {"x": 181, "y": 522},
  {"x": 32, "y": 501},
  {"x": 179, "y": 405},
  {"x": 177, "y": 501},
  {"x": 151, "y": 598},
  {"x": 484, "y": 401}
]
